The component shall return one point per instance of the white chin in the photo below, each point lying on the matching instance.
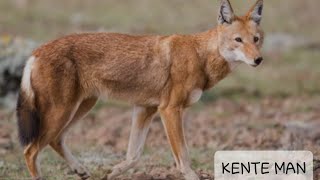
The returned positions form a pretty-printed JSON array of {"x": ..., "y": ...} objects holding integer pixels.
[
  {"x": 253, "y": 65},
  {"x": 250, "y": 63}
]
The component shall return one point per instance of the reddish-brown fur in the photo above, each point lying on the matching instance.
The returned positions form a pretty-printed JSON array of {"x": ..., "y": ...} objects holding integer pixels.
[{"x": 151, "y": 72}]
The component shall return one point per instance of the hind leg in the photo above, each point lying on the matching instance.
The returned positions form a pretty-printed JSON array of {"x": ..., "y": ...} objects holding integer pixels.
[
  {"x": 53, "y": 121},
  {"x": 60, "y": 147},
  {"x": 141, "y": 120},
  {"x": 59, "y": 143},
  {"x": 31, "y": 153}
]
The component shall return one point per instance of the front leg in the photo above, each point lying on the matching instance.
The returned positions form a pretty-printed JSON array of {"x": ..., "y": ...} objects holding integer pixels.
[
  {"x": 141, "y": 120},
  {"x": 172, "y": 121}
]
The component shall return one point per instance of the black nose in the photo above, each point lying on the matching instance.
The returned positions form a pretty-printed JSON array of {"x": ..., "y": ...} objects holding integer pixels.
[{"x": 258, "y": 60}]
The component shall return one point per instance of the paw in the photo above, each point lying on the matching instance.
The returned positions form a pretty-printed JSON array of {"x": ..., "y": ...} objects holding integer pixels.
[
  {"x": 120, "y": 169},
  {"x": 82, "y": 173},
  {"x": 106, "y": 176},
  {"x": 112, "y": 174},
  {"x": 38, "y": 178}
]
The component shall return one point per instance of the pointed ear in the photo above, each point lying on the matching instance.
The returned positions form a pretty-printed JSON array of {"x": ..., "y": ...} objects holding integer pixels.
[
  {"x": 226, "y": 14},
  {"x": 255, "y": 13}
]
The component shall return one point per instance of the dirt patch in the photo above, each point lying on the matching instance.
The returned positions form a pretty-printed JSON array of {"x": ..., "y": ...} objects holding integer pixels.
[
  {"x": 6, "y": 129},
  {"x": 241, "y": 124},
  {"x": 269, "y": 123},
  {"x": 225, "y": 123}
]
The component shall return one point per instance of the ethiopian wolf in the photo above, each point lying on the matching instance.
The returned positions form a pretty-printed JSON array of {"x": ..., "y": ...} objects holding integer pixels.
[{"x": 64, "y": 78}]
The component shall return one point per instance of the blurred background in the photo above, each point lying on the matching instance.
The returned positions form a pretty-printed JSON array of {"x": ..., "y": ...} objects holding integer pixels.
[{"x": 274, "y": 106}]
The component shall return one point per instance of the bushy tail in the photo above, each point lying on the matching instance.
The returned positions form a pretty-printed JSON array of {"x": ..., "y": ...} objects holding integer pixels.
[{"x": 27, "y": 112}]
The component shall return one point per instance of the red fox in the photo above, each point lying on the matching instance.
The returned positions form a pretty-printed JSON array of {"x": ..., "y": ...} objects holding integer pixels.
[{"x": 64, "y": 78}]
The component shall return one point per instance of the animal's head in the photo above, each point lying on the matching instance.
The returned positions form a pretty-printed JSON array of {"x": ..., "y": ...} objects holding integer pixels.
[{"x": 240, "y": 37}]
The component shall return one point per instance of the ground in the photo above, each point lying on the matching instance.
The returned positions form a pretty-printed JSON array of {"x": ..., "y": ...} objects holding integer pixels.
[
  {"x": 100, "y": 140},
  {"x": 273, "y": 107}
]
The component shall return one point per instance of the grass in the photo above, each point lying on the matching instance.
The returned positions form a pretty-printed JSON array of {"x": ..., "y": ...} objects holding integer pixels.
[
  {"x": 45, "y": 19},
  {"x": 283, "y": 75},
  {"x": 96, "y": 159}
]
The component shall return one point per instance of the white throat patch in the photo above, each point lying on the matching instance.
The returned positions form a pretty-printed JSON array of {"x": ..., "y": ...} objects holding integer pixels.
[{"x": 195, "y": 96}]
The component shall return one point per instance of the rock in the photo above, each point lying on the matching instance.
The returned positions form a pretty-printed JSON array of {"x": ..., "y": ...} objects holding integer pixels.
[{"x": 14, "y": 52}]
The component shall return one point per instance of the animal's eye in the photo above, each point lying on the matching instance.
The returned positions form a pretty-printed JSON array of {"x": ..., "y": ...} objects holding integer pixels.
[
  {"x": 238, "y": 39},
  {"x": 256, "y": 39}
]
